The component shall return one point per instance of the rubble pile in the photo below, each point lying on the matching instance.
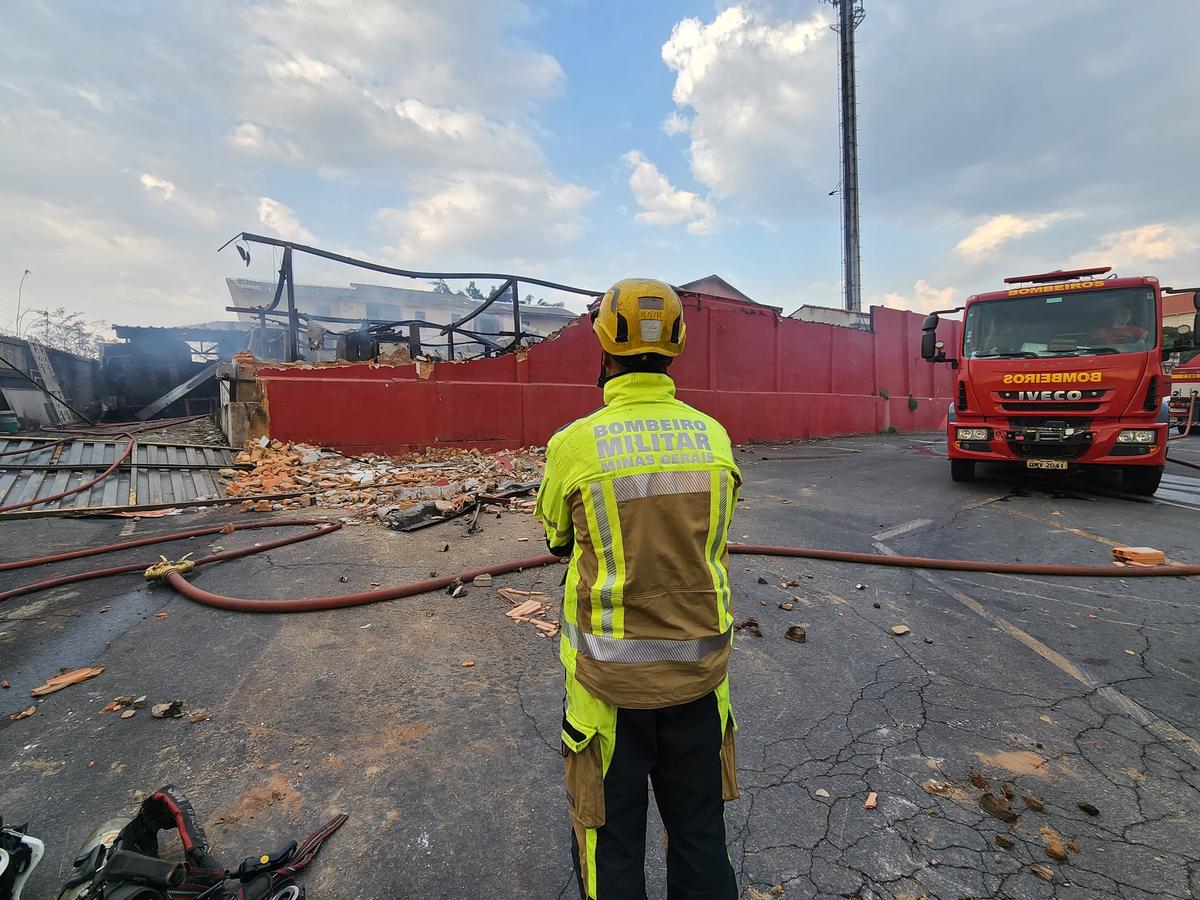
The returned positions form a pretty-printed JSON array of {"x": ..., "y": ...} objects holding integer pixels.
[{"x": 401, "y": 491}]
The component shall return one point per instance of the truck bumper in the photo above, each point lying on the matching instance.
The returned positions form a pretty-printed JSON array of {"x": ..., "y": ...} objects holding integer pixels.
[{"x": 1095, "y": 446}]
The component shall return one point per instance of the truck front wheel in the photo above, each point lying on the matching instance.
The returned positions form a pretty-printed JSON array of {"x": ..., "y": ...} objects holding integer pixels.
[
  {"x": 962, "y": 469},
  {"x": 1141, "y": 480}
]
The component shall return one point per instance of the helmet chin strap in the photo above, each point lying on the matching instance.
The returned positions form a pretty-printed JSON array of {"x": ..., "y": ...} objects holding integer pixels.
[{"x": 603, "y": 378}]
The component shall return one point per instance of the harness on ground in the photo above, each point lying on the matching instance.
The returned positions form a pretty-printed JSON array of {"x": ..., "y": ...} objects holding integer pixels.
[{"x": 133, "y": 870}]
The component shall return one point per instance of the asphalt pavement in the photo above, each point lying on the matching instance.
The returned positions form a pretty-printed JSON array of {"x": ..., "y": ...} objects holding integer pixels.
[{"x": 1079, "y": 696}]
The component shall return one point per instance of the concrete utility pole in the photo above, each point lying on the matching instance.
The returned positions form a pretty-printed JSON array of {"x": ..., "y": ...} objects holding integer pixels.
[{"x": 850, "y": 14}]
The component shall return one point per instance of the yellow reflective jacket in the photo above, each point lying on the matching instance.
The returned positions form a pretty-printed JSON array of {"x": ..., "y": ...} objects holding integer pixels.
[{"x": 640, "y": 493}]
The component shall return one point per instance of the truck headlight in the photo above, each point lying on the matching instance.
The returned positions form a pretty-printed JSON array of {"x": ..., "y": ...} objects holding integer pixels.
[
  {"x": 974, "y": 434},
  {"x": 1136, "y": 436}
]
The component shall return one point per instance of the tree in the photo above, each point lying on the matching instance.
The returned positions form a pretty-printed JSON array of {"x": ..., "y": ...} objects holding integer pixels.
[
  {"x": 440, "y": 286},
  {"x": 473, "y": 292},
  {"x": 62, "y": 330}
]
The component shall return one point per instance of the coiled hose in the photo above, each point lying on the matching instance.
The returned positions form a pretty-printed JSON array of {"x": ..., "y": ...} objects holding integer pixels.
[{"x": 173, "y": 573}]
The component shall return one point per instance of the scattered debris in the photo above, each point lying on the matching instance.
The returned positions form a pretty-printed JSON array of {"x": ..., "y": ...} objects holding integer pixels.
[
  {"x": 821, "y": 792},
  {"x": 1139, "y": 556},
  {"x": 524, "y": 610},
  {"x": 1033, "y": 802},
  {"x": 228, "y": 527},
  {"x": 787, "y": 606},
  {"x": 529, "y": 606},
  {"x": 66, "y": 679},
  {"x": 876, "y": 605},
  {"x": 1004, "y": 842},
  {"x": 198, "y": 715},
  {"x": 468, "y": 663},
  {"x": 1072, "y": 846},
  {"x": 751, "y": 625},
  {"x": 161, "y": 615},
  {"x": 1056, "y": 847},
  {"x": 761, "y": 580},
  {"x": 23, "y": 714},
  {"x": 455, "y": 589},
  {"x": 900, "y": 630},
  {"x": 344, "y": 578},
  {"x": 797, "y": 633},
  {"x": 872, "y": 801},
  {"x": 439, "y": 483},
  {"x": 172, "y": 709},
  {"x": 484, "y": 580},
  {"x": 129, "y": 714},
  {"x": 860, "y": 587},
  {"x": 105, "y": 609},
  {"x": 1130, "y": 653},
  {"x": 1042, "y": 872},
  {"x": 978, "y": 781},
  {"x": 1009, "y": 790},
  {"x": 445, "y": 548},
  {"x": 941, "y": 788},
  {"x": 4, "y": 684},
  {"x": 998, "y": 807},
  {"x": 1088, "y": 808},
  {"x": 928, "y": 639}
]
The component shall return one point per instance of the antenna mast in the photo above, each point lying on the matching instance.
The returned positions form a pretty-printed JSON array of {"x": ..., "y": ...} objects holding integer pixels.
[{"x": 850, "y": 15}]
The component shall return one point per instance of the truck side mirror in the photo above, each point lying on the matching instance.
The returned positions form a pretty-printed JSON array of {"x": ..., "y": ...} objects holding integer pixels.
[{"x": 930, "y": 352}]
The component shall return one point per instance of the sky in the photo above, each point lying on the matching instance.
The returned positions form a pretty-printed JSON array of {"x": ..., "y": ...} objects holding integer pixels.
[{"x": 584, "y": 141}]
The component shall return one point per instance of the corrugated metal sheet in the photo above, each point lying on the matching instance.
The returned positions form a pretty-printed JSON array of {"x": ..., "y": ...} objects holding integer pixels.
[{"x": 156, "y": 473}]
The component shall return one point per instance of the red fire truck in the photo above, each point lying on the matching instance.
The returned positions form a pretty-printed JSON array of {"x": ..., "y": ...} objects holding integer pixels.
[
  {"x": 1058, "y": 371},
  {"x": 1185, "y": 397}
]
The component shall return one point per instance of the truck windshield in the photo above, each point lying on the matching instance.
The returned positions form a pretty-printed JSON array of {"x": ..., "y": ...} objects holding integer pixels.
[{"x": 1068, "y": 324}]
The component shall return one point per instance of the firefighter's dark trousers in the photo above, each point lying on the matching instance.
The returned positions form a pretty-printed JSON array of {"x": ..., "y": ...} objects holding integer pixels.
[{"x": 680, "y": 750}]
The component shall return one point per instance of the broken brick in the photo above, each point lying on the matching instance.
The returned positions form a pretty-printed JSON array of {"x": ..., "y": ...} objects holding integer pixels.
[
  {"x": 998, "y": 807},
  {"x": 1056, "y": 848},
  {"x": 872, "y": 801}
]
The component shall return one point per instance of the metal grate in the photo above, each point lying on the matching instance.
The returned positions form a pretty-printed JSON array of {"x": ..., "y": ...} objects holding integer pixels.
[{"x": 156, "y": 473}]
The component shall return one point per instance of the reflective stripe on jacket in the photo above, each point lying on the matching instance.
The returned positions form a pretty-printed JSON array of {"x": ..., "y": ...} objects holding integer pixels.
[{"x": 642, "y": 491}]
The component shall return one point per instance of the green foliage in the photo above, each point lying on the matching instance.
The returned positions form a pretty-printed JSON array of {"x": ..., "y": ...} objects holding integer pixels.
[
  {"x": 62, "y": 330},
  {"x": 912, "y": 403},
  {"x": 440, "y": 286}
]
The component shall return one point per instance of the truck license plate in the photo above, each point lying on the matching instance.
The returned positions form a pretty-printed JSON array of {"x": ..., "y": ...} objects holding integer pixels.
[{"x": 1045, "y": 463}]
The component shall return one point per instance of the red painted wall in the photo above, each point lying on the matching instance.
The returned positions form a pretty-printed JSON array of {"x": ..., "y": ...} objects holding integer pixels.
[{"x": 764, "y": 377}]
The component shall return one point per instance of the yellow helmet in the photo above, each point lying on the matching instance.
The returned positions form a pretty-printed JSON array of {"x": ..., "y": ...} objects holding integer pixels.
[{"x": 640, "y": 315}]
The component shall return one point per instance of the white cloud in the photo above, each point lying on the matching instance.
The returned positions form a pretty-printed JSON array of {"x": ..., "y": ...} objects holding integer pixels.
[
  {"x": 1156, "y": 242},
  {"x": 157, "y": 187},
  {"x": 923, "y": 298},
  {"x": 664, "y": 204},
  {"x": 283, "y": 222},
  {"x": 761, "y": 96},
  {"x": 497, "y": 215},
  {"x": 675, "y": 124},
  {"x": 1004, "y": 228}
]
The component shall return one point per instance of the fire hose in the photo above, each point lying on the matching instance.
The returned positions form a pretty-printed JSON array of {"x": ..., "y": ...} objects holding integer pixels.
[{"x": 173, "y": 572}]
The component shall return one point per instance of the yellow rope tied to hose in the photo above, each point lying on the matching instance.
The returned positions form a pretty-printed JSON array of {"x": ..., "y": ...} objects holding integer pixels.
[{"x": 160, "y": 570}]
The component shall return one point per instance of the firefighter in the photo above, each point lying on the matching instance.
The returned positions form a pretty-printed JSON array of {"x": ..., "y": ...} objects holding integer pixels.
[
  {"x": 639, "y": 494},
  {"x": 1122, "y": 330}
]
